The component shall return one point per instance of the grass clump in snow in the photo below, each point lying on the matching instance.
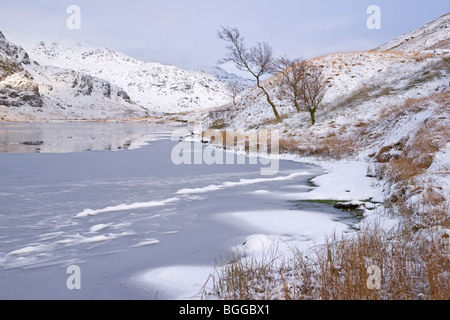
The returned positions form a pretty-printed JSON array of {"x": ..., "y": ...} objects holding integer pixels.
[
  {"x": 342, "y": 269},
  {"x": 331, "y": 146},
  {"x": 413, "y": 260}
]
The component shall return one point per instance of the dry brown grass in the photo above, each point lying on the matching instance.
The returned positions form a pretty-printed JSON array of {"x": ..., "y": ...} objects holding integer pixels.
[
  {"x": 414, "y": 105},
  {"x": 245, "y": 279},
  {"x": 403, "y": 169},
  {"x": 414, "y": 260},
  {"x": 406, "y": 268},
  {"x": 252, "y": 141},
  {"x": 413, "y": 155},
  {"x": 332, "y": 146},
  {"x": 411, "y": 268}
]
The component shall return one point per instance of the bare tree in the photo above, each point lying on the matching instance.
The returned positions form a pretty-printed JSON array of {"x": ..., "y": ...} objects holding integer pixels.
[
  {"x": 302, "y": 83},
  {"x": 292, "y": 73},
  {"x": 312, "y": 89},
  {"x": 257, "y": 60},
  {"x": 236, "y": 88}
]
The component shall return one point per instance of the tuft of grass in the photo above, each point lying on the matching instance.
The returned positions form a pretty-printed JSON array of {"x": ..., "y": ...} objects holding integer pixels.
[
  {"x": 332, "y": 146},
  {"x": 342, "y": 269},
  {"x": 413, "y": 260},
  {"x": 237, "y": 278}
]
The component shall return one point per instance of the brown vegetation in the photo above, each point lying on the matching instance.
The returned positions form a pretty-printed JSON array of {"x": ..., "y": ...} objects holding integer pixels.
[
  {"x": 414, "y": 259},
  {"x": 342, "y": 269}
]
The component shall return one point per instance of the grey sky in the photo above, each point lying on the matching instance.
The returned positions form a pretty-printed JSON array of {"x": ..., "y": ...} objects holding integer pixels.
[{"x": 183, "y": 32}]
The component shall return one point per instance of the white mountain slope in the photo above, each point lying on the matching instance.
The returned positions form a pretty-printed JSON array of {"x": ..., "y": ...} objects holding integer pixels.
[
  {"x": 29, "y": 91},
  {"x": 157, "y": 87},
  {"x": 379, "y": 106},
  {"x": 434, "y": 35},
  {"x": 358, "y": 83}
]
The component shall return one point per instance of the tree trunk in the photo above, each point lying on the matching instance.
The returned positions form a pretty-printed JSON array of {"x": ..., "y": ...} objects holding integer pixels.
[
  {"x": 274, "y": 108},
  {"x": 313, "y": 116},
  {"x": 297, "y": 106}
]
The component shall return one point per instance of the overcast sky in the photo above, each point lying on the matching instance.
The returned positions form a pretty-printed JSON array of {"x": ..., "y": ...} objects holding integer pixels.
[{"x": 184, "y": 32}]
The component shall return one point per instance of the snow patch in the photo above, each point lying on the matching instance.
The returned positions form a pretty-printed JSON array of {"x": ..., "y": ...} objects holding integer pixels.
[
  {"x": 175, "y": 282},
  {"x": 125, "y": 207},
  {"x": 241, "y": 182}
]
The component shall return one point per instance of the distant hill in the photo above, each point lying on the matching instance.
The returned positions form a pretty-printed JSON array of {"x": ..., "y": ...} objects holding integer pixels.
[
  {"x": 157, "y": 87},
  {"x": 31, "y": 91}
]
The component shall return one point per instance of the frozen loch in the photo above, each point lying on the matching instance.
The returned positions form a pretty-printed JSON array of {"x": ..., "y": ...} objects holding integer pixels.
[{"x": 108, "y": 199}]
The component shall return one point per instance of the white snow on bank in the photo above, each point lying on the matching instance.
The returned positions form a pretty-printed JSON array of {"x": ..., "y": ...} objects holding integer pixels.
[
  {"x": 345, "y": 180},
  {"x": 294, "y": 223},
  {"x": 175, "y": 282},
  {"x": 441, "y": 168},
  {"x": 284, "y": 229}
]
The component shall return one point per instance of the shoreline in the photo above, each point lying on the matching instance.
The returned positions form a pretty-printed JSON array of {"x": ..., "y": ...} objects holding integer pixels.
[
  {"x": 257, "y": 246},
  {"x": 343, "y": 180}
]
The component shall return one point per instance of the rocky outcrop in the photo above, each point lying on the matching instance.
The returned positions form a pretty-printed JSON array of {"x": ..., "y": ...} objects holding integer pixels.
[
  {"x": 17, "y": 86},
  {"x": 29, "y": 90}
]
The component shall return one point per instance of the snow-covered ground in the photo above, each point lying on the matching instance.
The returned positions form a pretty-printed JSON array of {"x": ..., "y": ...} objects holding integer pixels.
[{"x": 434, "y": 35}]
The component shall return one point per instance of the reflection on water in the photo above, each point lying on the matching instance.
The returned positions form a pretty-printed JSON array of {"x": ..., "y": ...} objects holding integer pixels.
[{"x": 64, "y": 137}]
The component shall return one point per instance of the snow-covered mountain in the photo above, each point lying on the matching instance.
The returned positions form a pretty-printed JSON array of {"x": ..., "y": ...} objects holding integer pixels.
[
  {"x": 30, "y": 91},
  {"x": 17, "y": 86},
  {"x": 226, "y": 77},
  {"x": 157, "y": 87}
]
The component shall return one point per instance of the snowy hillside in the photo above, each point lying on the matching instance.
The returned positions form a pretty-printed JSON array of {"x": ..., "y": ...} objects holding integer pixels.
[
  {"x": 434, "y": 35},
  {"x": 383, "y": 123},
  {"x": 359, "y": 84},
  {"x": 157, "y": 87},
  {"x": 382, "y": 108},
  {"x": 30, "y": 91}
]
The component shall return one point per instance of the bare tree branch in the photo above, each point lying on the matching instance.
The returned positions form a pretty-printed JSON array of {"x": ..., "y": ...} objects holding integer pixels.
[
  {"x": 236, "y": 87},
  {"x": 258, "y": 60},
  {"x": 292, "y": 74},
  {"x": 312, "y": 89},
  {"x": 302, "y": 83}
]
